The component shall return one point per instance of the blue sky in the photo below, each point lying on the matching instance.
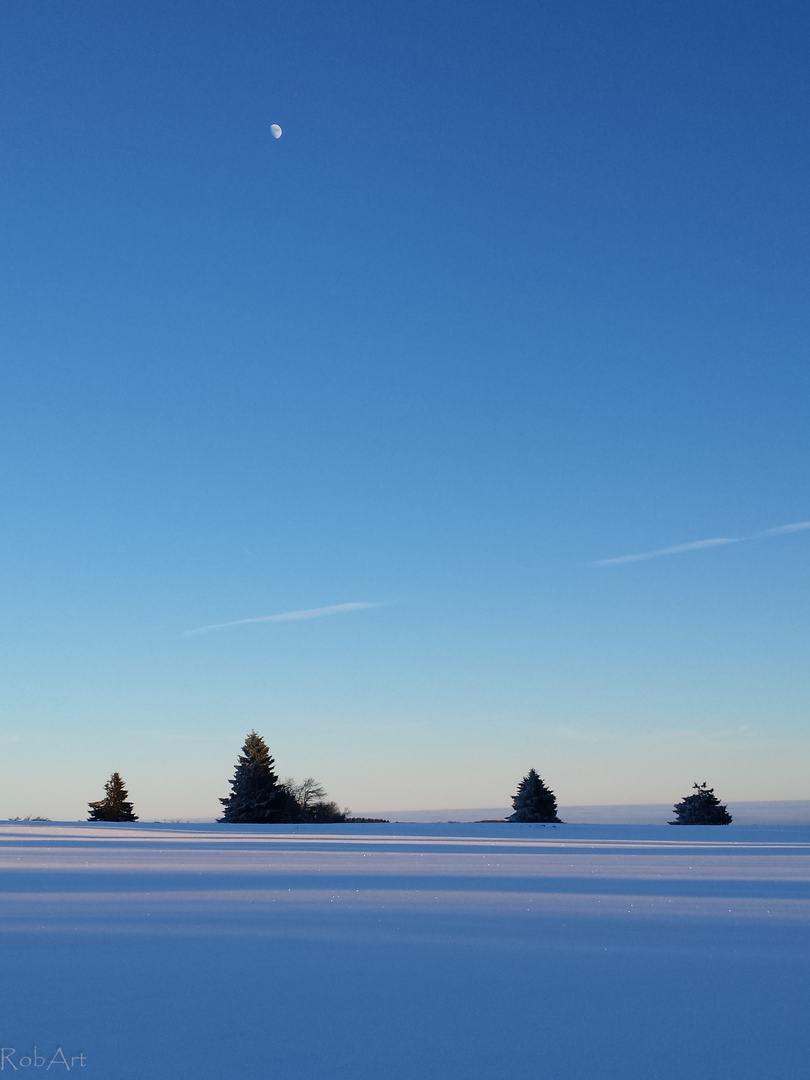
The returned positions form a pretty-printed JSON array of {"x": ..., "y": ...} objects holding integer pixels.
[{"x": 522, "y": 290}]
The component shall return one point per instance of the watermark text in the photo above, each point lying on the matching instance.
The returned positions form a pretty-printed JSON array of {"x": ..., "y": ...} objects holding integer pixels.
[{"x": 10, "y": 1058}]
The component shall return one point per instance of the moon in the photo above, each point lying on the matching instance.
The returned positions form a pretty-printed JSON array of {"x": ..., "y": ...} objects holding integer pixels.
[{"x": 275, "y": 131}]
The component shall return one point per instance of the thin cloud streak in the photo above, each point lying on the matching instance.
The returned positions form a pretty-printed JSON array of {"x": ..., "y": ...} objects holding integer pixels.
[
  {"x": 695, "y": 545},
  {"x": 286, "y": 616},
  {"x": 797, "y": 527}
]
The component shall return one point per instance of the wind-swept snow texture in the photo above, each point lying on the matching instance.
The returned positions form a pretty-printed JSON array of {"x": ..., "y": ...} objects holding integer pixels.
[{"x": 404, "y": 952}]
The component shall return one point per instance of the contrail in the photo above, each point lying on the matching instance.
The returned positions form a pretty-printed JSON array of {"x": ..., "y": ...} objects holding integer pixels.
[
  {"x": 780, "y": 530},
  {"x": 796, "y": 527},
  {"x": 287, "y": 616},
  {"x": 676, "y": 550}
]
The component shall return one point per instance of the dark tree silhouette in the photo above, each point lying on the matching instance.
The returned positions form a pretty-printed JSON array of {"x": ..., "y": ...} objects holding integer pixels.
[
  {"x": 534, "y": 801},
  {"x": 312, "y": 803},
  {"x": 114, "y": 806},
  {"x": 256, "y": 795},
  {"x": 702, "y": 808}
]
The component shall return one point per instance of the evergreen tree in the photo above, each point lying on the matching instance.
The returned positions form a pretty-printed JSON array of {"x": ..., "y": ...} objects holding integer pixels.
[
  {"x": 114, "y": 806},
  {"x": 702, "y": 808},
  {"x": 534, "y": 801},
  {"x": 256, "y": 795}
]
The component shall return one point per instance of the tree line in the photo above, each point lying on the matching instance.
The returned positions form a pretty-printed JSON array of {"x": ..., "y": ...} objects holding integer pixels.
[{"x": 257, "y": 797}]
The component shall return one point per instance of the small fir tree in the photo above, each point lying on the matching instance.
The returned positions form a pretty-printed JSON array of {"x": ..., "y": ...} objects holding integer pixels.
[
  {"x": 534, "y": 801},
  {"x": 114, "y": 807},
  {"x": 256, "y": 795},
  {"x": 702, "y": 808}
]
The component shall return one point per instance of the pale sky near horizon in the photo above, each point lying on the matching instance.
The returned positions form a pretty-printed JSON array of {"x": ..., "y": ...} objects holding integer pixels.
[{"x": 463, "y": 429}]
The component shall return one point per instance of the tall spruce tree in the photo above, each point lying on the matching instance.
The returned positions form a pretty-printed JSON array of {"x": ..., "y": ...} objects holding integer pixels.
[
  {"x": 114, "y": 806},
  {"x": 702, "y": 808},
  {"x": 256, "y": 796},
  {"x": 534, "y": 801}
]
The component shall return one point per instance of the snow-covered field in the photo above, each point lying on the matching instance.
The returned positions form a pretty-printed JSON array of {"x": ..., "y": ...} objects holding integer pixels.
[{"x": 486, "y": 952}]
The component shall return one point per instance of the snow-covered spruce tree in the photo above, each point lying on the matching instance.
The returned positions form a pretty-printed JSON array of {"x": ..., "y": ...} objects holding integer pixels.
[
  {"x": 702, "y": 808},
  {"x": 534, "y": 801},
  {"x": 114, "y": 807},
  {"x": 256, "y": 796}
]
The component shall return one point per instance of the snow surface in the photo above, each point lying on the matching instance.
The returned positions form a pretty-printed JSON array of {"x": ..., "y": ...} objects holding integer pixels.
[{"x": 575, "y": 952}]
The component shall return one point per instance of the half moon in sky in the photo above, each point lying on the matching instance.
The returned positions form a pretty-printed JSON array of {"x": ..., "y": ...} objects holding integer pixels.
[{"x": 275, "y": 131}]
